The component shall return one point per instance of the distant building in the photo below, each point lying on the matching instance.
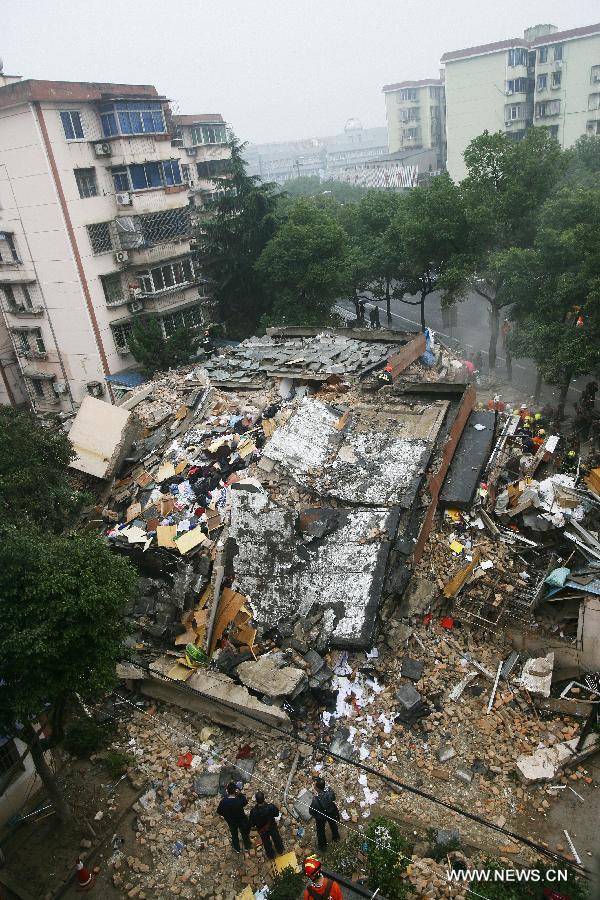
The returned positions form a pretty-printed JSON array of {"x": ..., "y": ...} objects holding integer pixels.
[
  {"x": 416, "y": 120},
  {"x": 95, "y": 228},
  {"x": 547, "y": 78},
  {"x": 280, "y": 162}
]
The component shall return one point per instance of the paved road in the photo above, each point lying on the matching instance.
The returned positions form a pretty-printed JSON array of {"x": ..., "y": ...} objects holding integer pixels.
[{"x": 468, "y": 328}]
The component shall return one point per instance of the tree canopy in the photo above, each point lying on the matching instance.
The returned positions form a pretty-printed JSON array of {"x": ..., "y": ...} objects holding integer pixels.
[
  {"x": 237, "y": 227},
  {"x": 303, "y": 267},
  {"x": 157, "y": 353},
  {"x": 34, "y": 480},
  {"x": 313, "y": 186}
]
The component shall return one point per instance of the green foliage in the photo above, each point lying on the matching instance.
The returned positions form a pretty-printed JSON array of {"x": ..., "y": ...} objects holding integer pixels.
[
  {"x": 156, "y": 353},
  {"x": 312, "y": 186},
  {"x": 388, "y": 854},
  {"x": 239, "y": 225},
  {"x": 286, "y": 885},
  {"x": 304, "y": 266},
  {"x": 34, "y": 480},
  {"x": 61, "y": 606},
  {"x": 116, "y": 763},
  {"x": 84, "y": 737}
]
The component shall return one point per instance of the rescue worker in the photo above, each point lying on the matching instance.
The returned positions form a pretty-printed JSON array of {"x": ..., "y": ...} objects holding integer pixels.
[
  {"x": 263, "y": 817},
  {"x": 207, "y": 344},
  {"x": 361, "y": 310},
  {"x": 570, "y": 462},
  {"x": 231, "y": 808},
  {"x": 319, "y": 885},
  {"x": 324, "y": 810},
  {"x": 540, "y": 437},
  {"x": 385, "y": 376}
]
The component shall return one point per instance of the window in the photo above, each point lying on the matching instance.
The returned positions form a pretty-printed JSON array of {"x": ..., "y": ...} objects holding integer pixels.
[
  {"x": 595, "y": 75},
  {"x": 100, "y": 237},
  {"x": 514, "y": 112},
  {"x": 594, "y": 101},
  {"x": 556, "y": 80},
  {"x": 30, "y": 340},
  {"x": 212, "y": 168},
  {"x": 517, "y": 56},
  {"x": 543, "y": 55},
  {"x": 9, "y": 756},
  {"x": 113, "y": 288},
  {"x": 121, "y": 179},
  {"x": 22, "y": 341},
  {"x": 27, "y": 301},
  {"x": 72, "y": 127},
  {"x": 121, "y": 335},
  {"x": 593, "y": 127},
  {"x": 155, "y": 174},
  {"x": 162, "y": 226},
  {"x": 411, "y": 134},
  {"x": 38, "y": 341},
  {"x": 516, "y": 86},
  {"x": 558, "y": 51},
  {"x": 410, "y": 115},
  {"x": 171, "y": 275},
  {"x": 9, "y": 293},
  {"x": 542, "y": 82},
  {"x": 132, "y": 117},
  {"x": 185, "y": 172},
  {"x": 185, "y": 318},
  {"x": 552, "y": 130},
  {"x": 86, "y": 182},
  {"x": 408, "y": 94},
  {"x": 8, "y": 250},
  {"x": 209, "y": 134},
  {"x": 547, "y": 108},
  {"x": 38, "y": 388}
]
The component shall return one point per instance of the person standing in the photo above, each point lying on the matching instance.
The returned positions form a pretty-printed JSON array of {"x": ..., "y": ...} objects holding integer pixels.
[
  {"x": 263, "y": 817},
  {"x": 319, "y": 885},
  {"x": 323, "y": 809},
  {"x": 376, "y": 319},
  {"x": 231, "y": 808}
]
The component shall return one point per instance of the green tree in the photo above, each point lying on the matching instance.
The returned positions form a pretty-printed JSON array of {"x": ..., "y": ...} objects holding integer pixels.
[
  {"x": 157, "y": 353},
  {"x": 304, "y": 266},
  {"x": 429, "y": 234},
  {"x": 555, "y": 288},
  {"x": 312, "y": 186},
  {"x": 34, "y": 481},
  {"x": 237, "y": 228},
  {"x": 506, "y": 185},
  {"x": 61, "y": 602}
]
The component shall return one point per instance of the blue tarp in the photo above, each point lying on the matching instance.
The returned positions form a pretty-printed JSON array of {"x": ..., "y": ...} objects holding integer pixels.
[
  {"x": 428, "y": 358},
  {"x": 126, "y": 379}
]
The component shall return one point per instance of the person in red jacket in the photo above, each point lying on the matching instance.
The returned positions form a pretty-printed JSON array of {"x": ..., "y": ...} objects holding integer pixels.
[{"x": 319, "y": 887}]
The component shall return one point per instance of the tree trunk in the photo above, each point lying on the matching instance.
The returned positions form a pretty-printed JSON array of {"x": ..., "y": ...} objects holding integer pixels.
[
  {"x": 388, "y": 301},
  {"x": 508, "y": 357},
  {"x": 423, "y": 298},
  {"x": 494, "y": 330},
  {"x": 538, "y": 386},
  {"x": 43, "y": 769},
  {"x": 562, "y": 397}
]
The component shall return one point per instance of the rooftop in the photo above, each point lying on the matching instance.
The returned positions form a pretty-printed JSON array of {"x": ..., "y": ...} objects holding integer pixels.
[
  {"x": 497, "y": 46},
  {"x": 424, "y": 82},
  {"x": 31, "y": 90},
  {"x": 198, "y": 119}
]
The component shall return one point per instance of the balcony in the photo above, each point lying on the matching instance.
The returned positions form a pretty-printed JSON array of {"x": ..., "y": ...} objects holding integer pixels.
[
  {"x": 15, "y": 272},
  {"x": 25, "y": 312},
  {"x": 149, "y": 256}
]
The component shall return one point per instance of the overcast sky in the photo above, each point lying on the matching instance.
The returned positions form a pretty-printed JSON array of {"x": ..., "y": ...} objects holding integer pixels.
[{"x": 275, "y": 69}]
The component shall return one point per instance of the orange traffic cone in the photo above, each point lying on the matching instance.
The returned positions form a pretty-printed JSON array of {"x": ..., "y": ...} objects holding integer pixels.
[{"x": 85, "y": 879}]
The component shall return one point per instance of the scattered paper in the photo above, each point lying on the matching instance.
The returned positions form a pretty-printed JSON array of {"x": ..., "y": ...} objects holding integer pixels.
[
  {"x": 486, "y": 564},
  {"x": 479, "y": 427},
  {"x": 456, "y": 547}
]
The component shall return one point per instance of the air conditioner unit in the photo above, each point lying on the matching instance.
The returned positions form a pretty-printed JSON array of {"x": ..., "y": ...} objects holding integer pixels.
[
  {"x": 191, "y": 151},
  {"x": 124, "y": 199},
  {"x": 121, "y": 257},
  {"x": 135, "y": 306},
  {"x": 103, "y": 149},
  {"x": 508, "y": 123},
  {"x": 61, "y": 387},
  {"x": 95, "y": 388},
  {"x": 509, "y": 93}
]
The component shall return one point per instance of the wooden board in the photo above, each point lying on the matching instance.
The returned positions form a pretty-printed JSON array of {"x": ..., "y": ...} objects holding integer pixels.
[
  {"x": 189, "y": 540},
  {"x": 230, "y": 603},
  {"x": 452, "y": 587},
  {"x": 165, "y": 536}
]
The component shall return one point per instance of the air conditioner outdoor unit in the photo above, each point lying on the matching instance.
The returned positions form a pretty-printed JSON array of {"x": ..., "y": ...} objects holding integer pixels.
[
  {"x": 95, "y": 388},
  {"x": 103, "y": 149},
  {"x": 509, "y": 93},
  {"x": 121, "y": 257},
  {"x": 61, "y": 387},
  {"x": 124, "y": 199},
  {"x": 191, "y": 151},
  {"x": 508, "y": 123},
  {"x": 135, "y": 306}
]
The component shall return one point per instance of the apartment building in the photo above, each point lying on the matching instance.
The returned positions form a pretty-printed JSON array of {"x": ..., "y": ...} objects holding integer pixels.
[
  {"x": 95, "y": 227},
  {"x": 416, "y": 118},
  {"x": 548, "y": 78}
]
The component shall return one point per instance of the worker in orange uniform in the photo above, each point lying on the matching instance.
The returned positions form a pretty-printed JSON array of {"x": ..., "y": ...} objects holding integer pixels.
[{"x": 319, "y": 885}]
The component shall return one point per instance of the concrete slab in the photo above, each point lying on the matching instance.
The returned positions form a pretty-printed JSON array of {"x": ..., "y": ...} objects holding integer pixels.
[
  {"x": 472, "y": 453},
  {"x": 266, "y": 676},
  {"x": 547, "y": 762},
  {"x": 101, "y": 435}
]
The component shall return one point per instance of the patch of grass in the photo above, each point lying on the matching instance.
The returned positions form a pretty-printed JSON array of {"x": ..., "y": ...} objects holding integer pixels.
[
  {"x": 286, "y": 885},
  {"x": 388, "y": 854}
]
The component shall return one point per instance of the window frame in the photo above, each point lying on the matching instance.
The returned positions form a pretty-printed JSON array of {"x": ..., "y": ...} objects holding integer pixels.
[
  {"x": 516, "y": 55},
  {"x": 408, "y": 95},
  {"x": 124, "y": 330},
  {"x": 67, "y": 115},
  {"x": 542, "y": 82},
  {"x": 154, "y": 283},
  {"x": 88, "y": 172},
  {"x": 106, "y": 249},
  {"x": 204, "y": 130},
  {"x": 554, "y": 84},
  {"x": 115, "y": 278},
  {"x": 557, "y": 54},
  {"x": 128, "y": 118},
  {"x": 9, "y": 240},
  {"x": 118, "y": 172},
  {"x": 542, "y": 55}
]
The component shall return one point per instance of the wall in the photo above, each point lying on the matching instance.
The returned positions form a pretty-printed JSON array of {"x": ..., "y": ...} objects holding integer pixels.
[
  {"x": 26, "y": 785},
  {"x": 579, "y": 57}
]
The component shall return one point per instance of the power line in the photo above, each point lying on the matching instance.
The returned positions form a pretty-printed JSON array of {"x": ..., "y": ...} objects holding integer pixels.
[{"x": 322, "y": 748}]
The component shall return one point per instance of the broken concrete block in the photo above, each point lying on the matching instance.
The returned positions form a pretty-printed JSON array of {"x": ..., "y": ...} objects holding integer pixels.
[
  {"x": 267, "y": 676},
  {"x": 545, "y": 764},
  {"x": 418, "y": 597},
  {"x": 444, "y": 837},
  {"x": 536, "y": 676},
  {"x": 408, "y": 697},
  {"x": 464, "y": 774},
  {"x": 101, "y": 435},
  {"x": 314, "y": 660},
  {"x": 397, "y": 635},
  {"x": 302, "y": 803},
  {"x": 340, "y": 743},
  {"x": 207, "y": 785},
  {"x": 412, "y": 668},
  {"x": 445, "y": 753}
]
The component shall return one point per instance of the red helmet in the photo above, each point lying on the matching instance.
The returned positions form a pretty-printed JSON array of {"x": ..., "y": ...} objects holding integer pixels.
[{"x": 312, "y": 866}]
